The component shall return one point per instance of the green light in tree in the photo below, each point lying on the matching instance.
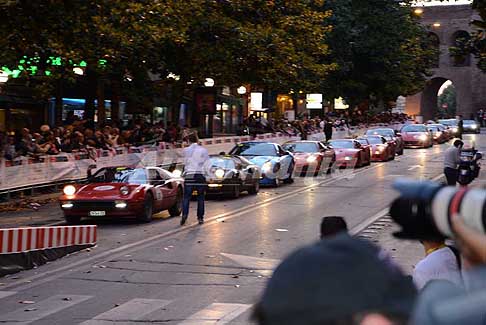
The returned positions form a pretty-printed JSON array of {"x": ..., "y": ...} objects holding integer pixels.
[
  {"x": 48, "y": 73},
  {"x": 102, "y": 62},
  {"x": 33, "y": 69},
  {"x": 83, "y": 64}
]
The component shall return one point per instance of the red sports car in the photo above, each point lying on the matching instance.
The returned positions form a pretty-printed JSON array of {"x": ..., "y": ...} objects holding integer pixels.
[
  {"x": 123, "y": 192},
  {"x": 311, "y": 157},
  {"x": 416, "y": 136},
  {"x": 350, "y": 153},
  {"x": 381, "y": 149},
  {"x": 439, "y": 133}
]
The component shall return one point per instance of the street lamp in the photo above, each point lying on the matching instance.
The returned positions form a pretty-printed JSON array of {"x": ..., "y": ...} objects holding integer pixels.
[
  {"x": 241, "y": 90},
  {"x": 78, "y": 71},
  {"x": 437, "y": 25},
  {"x": 209, "y": 82},
  {"x": 418, "y": 11}
]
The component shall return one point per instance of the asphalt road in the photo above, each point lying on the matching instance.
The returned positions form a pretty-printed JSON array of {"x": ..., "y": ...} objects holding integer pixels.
[{"x": 161, "y": 273}]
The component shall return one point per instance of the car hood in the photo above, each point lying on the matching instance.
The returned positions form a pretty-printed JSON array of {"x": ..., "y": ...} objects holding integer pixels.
[
  {"x": 341, "y": 153},
  {"x": 103, "y": 191},
  {"x": 260, "y": 160}
]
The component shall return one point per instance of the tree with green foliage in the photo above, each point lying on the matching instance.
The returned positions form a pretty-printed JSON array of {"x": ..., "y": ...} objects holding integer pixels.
[{"x": 446, "y": 102}]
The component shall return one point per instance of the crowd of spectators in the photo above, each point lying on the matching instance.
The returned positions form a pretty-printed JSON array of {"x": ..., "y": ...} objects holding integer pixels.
[{"x": 81, "y": 135}]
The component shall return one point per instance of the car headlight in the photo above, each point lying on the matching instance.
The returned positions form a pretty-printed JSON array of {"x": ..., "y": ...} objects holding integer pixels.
[
  {"x": 120, "y": 204},
  {"x": 474, "y": 126},
  {"x": 266, "y": 167},
  {"x": 69, "y": 190},
  {"x": 67, "y": 205},
  {"x": 422, "y": 137},
  {"x": 311, "y": 159},
  {"x": 219, "y": 173},
  {"x": 177, "y": 173},
  {"x": 455, "y": 130},
  {"x": 124, "y": 190},
  {"x": 348, "y": 158}
]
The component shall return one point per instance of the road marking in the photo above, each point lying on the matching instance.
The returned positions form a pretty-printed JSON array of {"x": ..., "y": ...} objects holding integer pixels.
[
  {"x": 216, "y": 314},
  {"x": 414, "y": 167},
  {"x": 122, "y": 250},
  {"x": 42, "y": 309},
  {"x": 264, "y": 266},
  {"x": 4, "y": 294},
  {"x": 132, "y": 310}
]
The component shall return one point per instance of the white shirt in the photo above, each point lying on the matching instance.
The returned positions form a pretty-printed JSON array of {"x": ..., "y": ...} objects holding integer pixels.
[
  {"x": 195, "y": 156},
  {"x": 440, "y": 264}
]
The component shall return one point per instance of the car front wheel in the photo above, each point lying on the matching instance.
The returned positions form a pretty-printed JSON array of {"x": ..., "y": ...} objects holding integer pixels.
[
  {"x": 176, "y": 209},
  {"x": 148, "y": 209}
]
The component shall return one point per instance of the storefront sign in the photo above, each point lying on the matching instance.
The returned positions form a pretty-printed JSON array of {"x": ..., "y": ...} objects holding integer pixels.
[
  {"x": 256, "y": 101},
  {"x": 339, "y": 103},
  {"x": 314, "y": 101}
]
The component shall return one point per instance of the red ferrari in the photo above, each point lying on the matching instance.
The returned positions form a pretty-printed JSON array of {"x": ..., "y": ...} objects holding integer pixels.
[
  {"x": 381, "y": 149},
  {"x": 350, "y": 153},
  {"x": 123, "y": 192},
  {"x": 311, "y": 157},
  {"x": 416, "y": 136}
]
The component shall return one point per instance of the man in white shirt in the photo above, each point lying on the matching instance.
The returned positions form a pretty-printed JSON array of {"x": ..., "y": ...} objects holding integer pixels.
[
  {"x": 440, "y": 263},
  {"x": 195, "y": 159},
  {"x": 452, "y": 157}
]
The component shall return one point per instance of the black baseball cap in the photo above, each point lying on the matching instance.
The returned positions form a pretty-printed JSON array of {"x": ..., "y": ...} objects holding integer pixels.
[{"x": 335, "y": 279}]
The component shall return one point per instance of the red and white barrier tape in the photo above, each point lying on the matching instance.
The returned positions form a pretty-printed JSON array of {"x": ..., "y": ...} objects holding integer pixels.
[{"x": 18, "y": 240}]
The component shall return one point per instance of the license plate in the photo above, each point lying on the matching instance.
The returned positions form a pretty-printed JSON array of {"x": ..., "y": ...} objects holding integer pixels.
[{"x": 97, "y": 213}]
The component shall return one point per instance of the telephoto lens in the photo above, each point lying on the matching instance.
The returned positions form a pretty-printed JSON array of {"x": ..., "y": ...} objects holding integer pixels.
[{"x": 424, "y": 209}]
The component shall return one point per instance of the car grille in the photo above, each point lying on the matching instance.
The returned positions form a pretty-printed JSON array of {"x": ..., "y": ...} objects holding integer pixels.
[{"x": 94, "y": 204}]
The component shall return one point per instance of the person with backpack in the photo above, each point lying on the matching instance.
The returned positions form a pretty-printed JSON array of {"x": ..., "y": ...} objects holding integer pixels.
[{"x": 441, "y": 262}]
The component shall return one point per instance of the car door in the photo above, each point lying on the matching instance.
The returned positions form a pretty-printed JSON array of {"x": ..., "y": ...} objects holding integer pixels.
[
  {"x": 162, "y": 190},
  {"x": 285, "y": 162}
]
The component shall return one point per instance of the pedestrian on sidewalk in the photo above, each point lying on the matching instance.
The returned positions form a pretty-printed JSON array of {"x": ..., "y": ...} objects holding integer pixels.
[
  {"x": 195, "y": 159},
  {"x": 460, "y": 127},
  {"x": 452, "y": 157},
  {"x": 441, "y": 262}
]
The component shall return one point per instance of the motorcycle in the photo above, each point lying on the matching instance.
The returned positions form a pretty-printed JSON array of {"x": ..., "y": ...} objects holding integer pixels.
[{"x": 469, "y": 166}]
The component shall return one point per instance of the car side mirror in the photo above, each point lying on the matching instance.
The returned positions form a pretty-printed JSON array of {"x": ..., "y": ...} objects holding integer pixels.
[
  {"x": 222, "y": 153},
  {"x": 288, "y": 153}
]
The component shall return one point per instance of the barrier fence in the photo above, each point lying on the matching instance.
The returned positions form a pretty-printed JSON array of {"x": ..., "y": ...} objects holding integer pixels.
[{"x": 28, "y": 172}]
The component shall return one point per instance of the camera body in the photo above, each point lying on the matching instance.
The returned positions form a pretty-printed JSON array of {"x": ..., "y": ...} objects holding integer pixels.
[{"x": 424, "y": 210}]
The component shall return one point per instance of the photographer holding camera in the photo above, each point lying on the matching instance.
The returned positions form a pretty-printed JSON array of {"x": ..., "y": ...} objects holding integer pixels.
[
  {"x": 428, "y": 211},
  {"x": 452, "y": 157}
]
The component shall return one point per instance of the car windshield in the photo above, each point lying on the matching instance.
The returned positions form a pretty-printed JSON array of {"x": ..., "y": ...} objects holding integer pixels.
[
  {"x": 363, "y": 141},
  {"x": 224, "y": 163},
  {"x": 307, "y": 147},
  {"x": 414, "y": 128},
  {"x": 254, "y": 149},
  {"x": 375, "y": 140},
  {"x": 433, "y": 128},
  {"x": 120, "y": 175},
  {"x": 342, "y": 144},
  {"x": 469, "y": 122},
  {"x": 380, "y": 132}
]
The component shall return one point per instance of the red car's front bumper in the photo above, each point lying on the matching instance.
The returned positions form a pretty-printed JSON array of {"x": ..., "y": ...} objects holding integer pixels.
[{"x": 95, "y": 209}]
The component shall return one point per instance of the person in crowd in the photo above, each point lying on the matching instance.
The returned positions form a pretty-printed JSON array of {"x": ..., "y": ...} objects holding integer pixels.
[
  {"x": 451, "y": 161},
  {"x": 333, "y": 225},
  {"x": 340, "y": 280},
  {"x": 195, "y": 160},
  {"x": 9, "y": 151},
  {"x": 440, "y": 262}
]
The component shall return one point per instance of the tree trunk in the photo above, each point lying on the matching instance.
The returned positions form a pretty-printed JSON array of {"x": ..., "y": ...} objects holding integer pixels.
[
  {"x": 100, "y": 97},
  {"x": 89, "y": 109},
  {"x": 115, "y": 100},
  {"x": 59, "y": 104}
]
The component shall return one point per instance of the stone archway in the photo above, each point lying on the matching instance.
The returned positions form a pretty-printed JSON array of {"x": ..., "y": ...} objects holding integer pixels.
[{"x": 428, "y": 102}]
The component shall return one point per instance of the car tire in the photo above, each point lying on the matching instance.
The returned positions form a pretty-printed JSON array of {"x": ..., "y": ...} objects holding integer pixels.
[
  {"x": 72, "y": 220},
  {"x": 148, "y": 208},
  {"x": 290, "y": 180},
  {"x": 236, "y": 192},
  {"x": 331, "y": 166},
  {"x": 400, "y": 152},
  {"x": 255, "y": 188},
  {"x": 176, "y": 209}
]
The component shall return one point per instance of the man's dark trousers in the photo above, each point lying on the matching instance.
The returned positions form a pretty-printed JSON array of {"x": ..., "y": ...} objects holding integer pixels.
[
  {"x": 451, "y": 175},
  {"x": 194, "y": 182}
]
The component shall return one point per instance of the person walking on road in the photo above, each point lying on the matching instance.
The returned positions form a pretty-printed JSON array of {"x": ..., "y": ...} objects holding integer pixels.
[
  {"x": 328, "y": 130},
  {"x": 195, "y": 159},
  {"x": 460, "y": 127},
  {"x": 452, "y": 158}
]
